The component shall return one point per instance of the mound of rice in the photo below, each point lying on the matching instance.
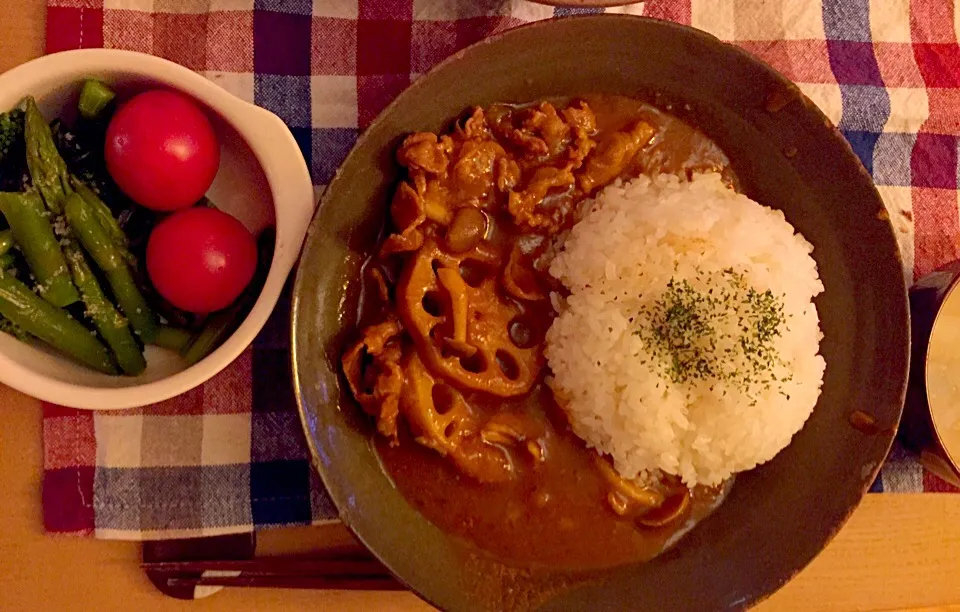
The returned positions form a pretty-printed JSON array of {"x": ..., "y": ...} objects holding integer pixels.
[{"x": 654, "y": 354}]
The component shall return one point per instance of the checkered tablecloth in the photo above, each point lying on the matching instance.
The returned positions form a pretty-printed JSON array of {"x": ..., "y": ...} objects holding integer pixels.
[{"x": 230, "y": 456}]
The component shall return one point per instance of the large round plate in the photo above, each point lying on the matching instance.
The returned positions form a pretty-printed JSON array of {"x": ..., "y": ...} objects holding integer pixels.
[{"x": 788, "y": 156}]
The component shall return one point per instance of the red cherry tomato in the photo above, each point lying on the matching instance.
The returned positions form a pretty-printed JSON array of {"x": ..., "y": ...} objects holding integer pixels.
[
  {"x": 161, "y": 150},
  {"x": 200, "y": 259}
]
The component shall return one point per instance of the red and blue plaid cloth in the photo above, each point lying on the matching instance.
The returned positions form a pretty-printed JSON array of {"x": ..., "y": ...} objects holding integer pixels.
[{"x": 230, "y": 456}]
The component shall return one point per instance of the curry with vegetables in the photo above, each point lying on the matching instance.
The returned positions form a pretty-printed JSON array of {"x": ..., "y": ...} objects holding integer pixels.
[{"x": 456, "y": 302}]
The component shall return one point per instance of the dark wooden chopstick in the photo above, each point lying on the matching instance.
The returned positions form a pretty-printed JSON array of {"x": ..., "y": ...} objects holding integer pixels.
[
  {"x": 358, "y": 583},
  {"x": 274, "y": 565},
  {"x": 278, "y": 572}
]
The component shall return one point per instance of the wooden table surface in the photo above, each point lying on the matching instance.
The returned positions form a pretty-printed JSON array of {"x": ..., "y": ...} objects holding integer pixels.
[{"x": 896, "y": 552}]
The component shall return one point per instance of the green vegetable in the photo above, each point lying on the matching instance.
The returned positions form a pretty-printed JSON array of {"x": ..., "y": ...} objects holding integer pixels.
[
  {"x": 6, "y": 261},
  {"x": 6, "y": 241},
  {"x": 47, "y": 168},
  {"x": 11, "y": 131},
  {"x": 220, "y": 325},
  {"x": 94, "y": 97},
  {"x": 13, "y": 157},
  {"x": 108, "y": 258},
  {"x": 33, "y": 232},
  {"x": 172, "y": 338},
  {"x": 103, "y": 214},
  {"x": 24, "y": 309},
  {"x": 106, "y": 318}
]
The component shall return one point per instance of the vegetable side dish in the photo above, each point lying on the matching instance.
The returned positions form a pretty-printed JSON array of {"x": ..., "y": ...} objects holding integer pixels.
[{"x": 79, "y": 208}]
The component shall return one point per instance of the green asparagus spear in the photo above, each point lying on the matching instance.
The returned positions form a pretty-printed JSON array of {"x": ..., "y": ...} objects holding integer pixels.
[
  {"x": 109, "y": 322},
  {"x": 172, "y": 338},
  {"x": 33, "y": 232},
  {"x": 217, "y": 328},
  {"x": 24, "y": 309},
  {"x": 101, "y": 249},
  {"x": 6, "y": 241},
  {"x": 102, "y": 212},
  {"x": 94, "y": 97},
  {"x": 221, "y": 324},
  {"x": 47, "y": 168}
]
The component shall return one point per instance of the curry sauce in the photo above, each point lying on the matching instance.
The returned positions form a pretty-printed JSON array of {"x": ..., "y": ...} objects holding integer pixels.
[{"x": 455, "y": 307}]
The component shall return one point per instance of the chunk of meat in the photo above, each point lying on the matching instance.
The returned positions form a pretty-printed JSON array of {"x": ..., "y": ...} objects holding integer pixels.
[
  {"x": 424, "y": 151},
  {"x": 401, "y": 243},
  {"x": 406, "y": 208},
  {"x": 386, "y": 391},
  {"x": 438, "y": 204},
  {"x": 584, "y": 125},
  {"x": 501, "y": 121},
  {"x": 372, "y": 368},
  {"x": 613, "y": 155},
  {"x": 446, "y": 174},
  {"x": 507, "y": 174},
  {"x": 473, "y": 171},
  {"x": 408, "y": 214},
  {"x": 523, "y": 204},
  {"x": 546, "y": 123},
  {"x": 540, "y": 134},
  {"x": 579, "y": 150},
  {"x": 475, "y": 128},
  {"x": 579, "y": 116}
]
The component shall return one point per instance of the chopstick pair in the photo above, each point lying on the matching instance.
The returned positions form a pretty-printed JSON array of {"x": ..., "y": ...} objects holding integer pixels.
[{"x": 280, "y": 573}]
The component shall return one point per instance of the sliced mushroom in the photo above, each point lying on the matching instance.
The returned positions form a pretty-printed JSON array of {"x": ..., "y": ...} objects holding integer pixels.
[
  {"x": 627, "y": 497},
  {"x": 451, "y": 280}
]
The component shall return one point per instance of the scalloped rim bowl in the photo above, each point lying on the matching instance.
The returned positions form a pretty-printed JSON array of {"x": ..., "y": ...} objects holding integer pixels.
[{"x": 263, "y": 180}]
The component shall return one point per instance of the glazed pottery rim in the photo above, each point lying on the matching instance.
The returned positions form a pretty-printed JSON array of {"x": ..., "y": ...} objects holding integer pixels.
[{"x": 774, "y": 582}]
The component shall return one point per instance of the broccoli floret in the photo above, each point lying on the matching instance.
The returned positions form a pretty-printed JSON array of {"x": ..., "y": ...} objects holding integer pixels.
[
  {"x": 11, "y": 132},
  {"x": 13, "y": 158}
]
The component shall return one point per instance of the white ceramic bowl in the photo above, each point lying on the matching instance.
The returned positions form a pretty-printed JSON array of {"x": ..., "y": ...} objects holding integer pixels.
[{"x": 263, "y": 180}]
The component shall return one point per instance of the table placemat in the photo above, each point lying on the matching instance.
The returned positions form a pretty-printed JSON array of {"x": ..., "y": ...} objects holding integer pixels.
[{"x": 230, "y": 456}]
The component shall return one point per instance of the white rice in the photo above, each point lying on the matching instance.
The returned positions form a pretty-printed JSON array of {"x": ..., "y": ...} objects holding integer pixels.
[{"x": 618, "y": 391}]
